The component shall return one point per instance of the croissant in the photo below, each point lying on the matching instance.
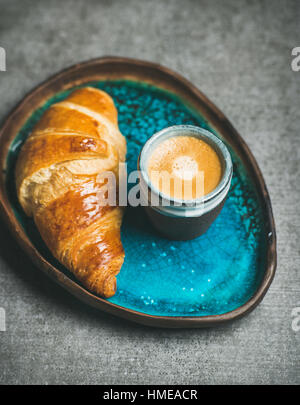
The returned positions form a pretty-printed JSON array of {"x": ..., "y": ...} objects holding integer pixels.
[{"x": 57, "y": 184}]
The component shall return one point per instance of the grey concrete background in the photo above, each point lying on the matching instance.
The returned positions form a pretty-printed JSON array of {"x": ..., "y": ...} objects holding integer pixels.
[{"x": 239, "y": 54}]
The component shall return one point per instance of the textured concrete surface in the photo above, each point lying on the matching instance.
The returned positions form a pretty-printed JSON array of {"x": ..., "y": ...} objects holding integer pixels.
[{"x": 239, "y": 54}]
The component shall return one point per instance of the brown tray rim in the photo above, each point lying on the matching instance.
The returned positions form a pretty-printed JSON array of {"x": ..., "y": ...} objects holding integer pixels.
[{"x": 98, "y": 302}]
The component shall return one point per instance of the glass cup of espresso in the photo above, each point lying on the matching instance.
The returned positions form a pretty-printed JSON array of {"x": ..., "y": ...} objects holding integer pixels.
[{"x": 185, "y": 174}]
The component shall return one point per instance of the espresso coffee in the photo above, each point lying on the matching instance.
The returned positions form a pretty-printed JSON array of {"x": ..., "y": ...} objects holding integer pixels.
[
  {"x": 184, "y": 167},
  {"x": 184, "y": 153}
]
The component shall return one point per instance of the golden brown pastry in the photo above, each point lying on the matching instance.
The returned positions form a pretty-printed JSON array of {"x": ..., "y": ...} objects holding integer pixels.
[{"x": 57, "y": 184}]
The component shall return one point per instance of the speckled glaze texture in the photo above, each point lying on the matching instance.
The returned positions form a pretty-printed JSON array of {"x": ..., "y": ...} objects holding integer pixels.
[{"x": 210, "y": 275}]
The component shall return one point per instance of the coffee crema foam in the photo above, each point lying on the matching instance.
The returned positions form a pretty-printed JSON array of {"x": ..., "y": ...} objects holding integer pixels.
[{"x": 184, "y": 167}]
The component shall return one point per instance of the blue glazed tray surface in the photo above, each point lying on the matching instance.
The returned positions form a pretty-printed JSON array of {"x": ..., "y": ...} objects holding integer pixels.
[{"x": 211, "y": 275}]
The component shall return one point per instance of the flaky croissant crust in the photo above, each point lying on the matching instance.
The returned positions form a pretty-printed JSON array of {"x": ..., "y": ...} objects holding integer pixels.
[{"x": 57, "y": 184}]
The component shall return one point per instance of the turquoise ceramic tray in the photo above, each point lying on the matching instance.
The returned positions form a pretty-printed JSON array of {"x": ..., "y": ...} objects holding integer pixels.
[{"x": 216, "y": 277}]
